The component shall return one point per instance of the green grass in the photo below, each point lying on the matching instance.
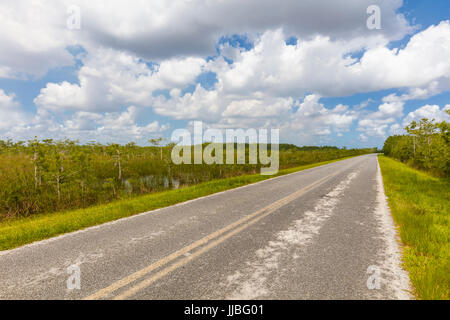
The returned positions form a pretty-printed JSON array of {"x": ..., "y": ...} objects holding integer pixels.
[
  {"x": 21, "y": 231},
  {"x": 420, "y": 207}
]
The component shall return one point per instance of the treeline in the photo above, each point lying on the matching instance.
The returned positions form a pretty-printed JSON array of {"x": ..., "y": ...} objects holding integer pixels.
[
  {"x": 284, "y": 146},
  {"x": 425, "y": 146},
  {"x": 44, "y": 176}
]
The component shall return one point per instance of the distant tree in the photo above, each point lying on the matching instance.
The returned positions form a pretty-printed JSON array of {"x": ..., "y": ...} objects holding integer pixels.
[
  {"x": 114, "y": 150},
  {"x": 158, "y": 143}
]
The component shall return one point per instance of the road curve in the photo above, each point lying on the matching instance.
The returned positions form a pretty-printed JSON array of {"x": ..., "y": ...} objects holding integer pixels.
[{"x": 322, "y": 233}]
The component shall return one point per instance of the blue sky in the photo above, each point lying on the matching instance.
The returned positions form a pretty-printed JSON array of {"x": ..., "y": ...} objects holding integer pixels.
[{"x": 323, "y": 81}]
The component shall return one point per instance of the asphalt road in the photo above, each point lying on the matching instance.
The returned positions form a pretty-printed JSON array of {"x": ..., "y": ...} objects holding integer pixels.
[{"x": 322, "y": 233}]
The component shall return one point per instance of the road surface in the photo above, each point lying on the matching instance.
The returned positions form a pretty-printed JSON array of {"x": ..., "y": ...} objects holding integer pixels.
[{"x": 322, "y": 233}]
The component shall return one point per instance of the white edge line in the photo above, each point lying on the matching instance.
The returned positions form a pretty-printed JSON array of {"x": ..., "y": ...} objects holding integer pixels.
[{"x": 401, "y": 284}]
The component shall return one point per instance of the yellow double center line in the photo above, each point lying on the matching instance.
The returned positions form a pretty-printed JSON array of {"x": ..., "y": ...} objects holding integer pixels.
[{"x": 221, "y": 236}]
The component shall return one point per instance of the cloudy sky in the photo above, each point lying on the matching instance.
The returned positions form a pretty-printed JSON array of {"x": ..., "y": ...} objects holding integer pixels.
[{"x": 130, "y": 70}]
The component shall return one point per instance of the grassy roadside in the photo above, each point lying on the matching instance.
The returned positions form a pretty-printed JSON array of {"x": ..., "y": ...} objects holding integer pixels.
[
  {"x": 18, "y": 232},
  {"x": 420, "y": 207}
]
